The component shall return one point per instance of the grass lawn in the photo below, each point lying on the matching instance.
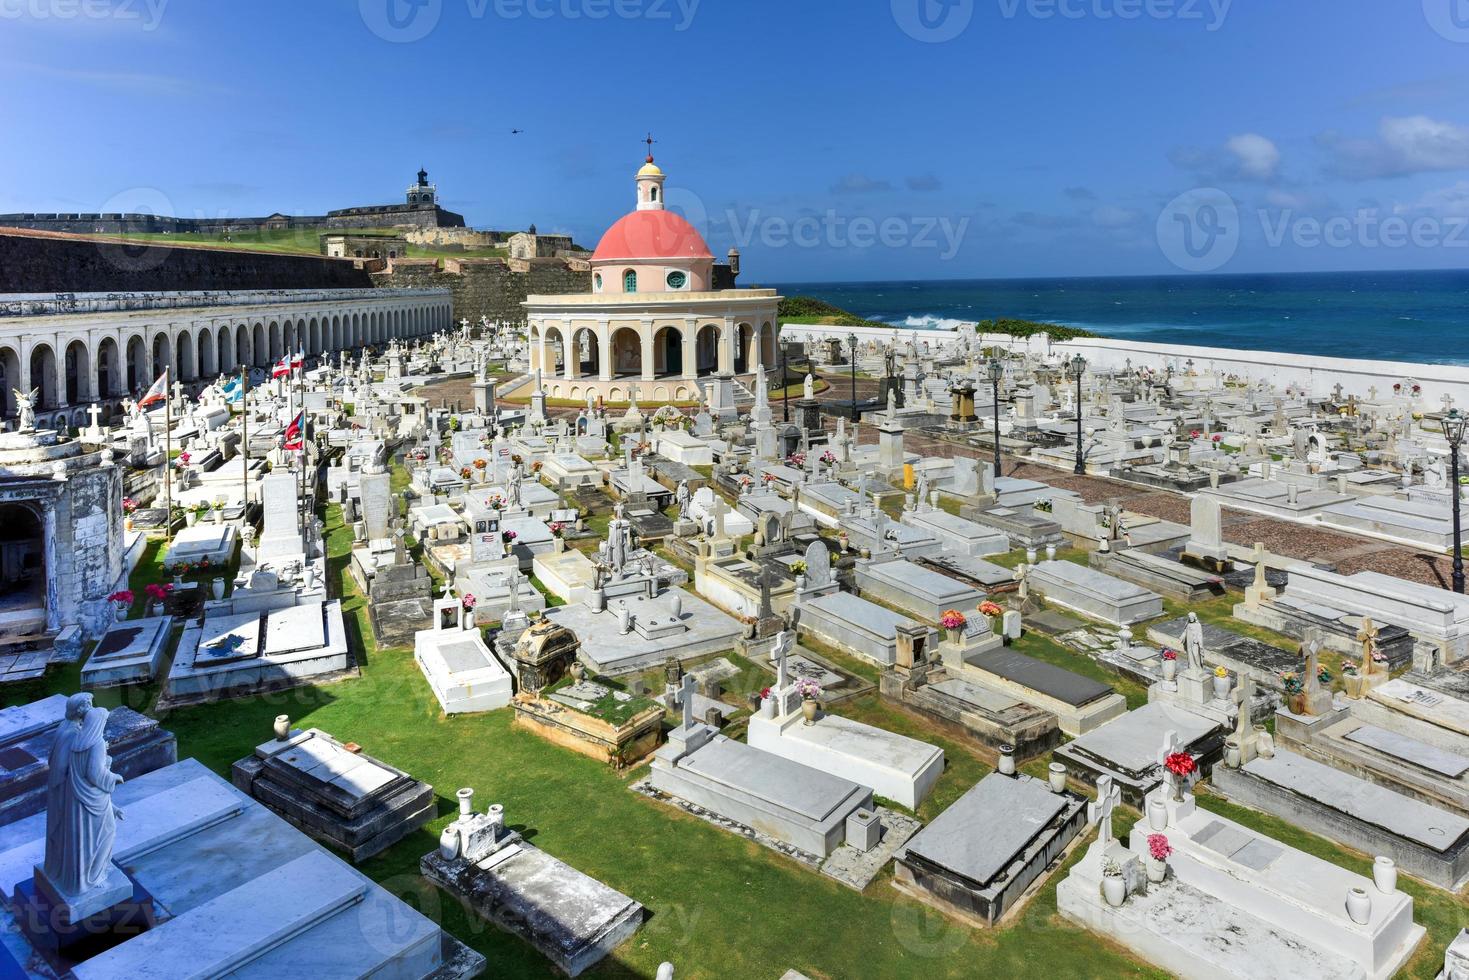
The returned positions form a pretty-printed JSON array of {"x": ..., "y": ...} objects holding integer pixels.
[{"x": 719, "y": 906}]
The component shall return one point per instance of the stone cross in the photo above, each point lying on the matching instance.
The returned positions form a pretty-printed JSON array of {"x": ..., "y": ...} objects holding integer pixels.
[
  {"x": 1367, "y": 636},
  {"x": 95, "y": 411},
  {"x": 1448, "y": 402},
  {"x": 718, "y": 510},
  {"x": 1372, "y": 393},
  {"x": 1244, "y": 728},
  {"x": 1103, "y": 809},
  {"x": 686, "y": 700},
  {"x": 1170, "y": 746},
  {"x": 784, "y": 641},
  {"x": 1022, "y": 577}
]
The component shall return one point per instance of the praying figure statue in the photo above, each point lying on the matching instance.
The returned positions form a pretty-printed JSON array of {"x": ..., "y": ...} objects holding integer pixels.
[
  {"x": 1193, "y": 642},
  {"x": 81, "y": 822},
  {"x": 810, "y": 387}
]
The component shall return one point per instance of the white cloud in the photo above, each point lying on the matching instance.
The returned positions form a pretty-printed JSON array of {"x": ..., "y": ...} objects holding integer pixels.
[
  {"x": 1404, "y": 145},
  {"x": 1256, "y": 156},
  {"x": 1110, "y": 216},
  {"x": 1446, "y": 202}
]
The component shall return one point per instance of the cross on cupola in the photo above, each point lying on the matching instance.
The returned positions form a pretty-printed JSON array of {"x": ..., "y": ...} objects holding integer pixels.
[{"x": 650, "y": 182}]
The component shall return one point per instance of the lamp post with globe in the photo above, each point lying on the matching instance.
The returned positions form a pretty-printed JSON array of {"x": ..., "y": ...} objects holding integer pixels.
[
  {"x": 1077, "y": 369},
  {"x": 1453, "y": 429}
]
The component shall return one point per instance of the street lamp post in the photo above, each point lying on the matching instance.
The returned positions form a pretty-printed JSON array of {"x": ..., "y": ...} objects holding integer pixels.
[
  {"x": 852, "y": 343},
  {"x": 1453, "y": 430},
  {"x": 996, "y": 372},
  {"x": 785, "y": 387},
  {"x": 1077, "y": 368}
]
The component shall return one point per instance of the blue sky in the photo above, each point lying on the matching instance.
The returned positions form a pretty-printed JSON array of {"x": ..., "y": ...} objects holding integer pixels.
[{"x": 829, "y": 139}]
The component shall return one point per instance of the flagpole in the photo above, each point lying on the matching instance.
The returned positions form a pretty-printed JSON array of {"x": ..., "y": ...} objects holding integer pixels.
[
  {"x": 245, "y": 439},
  {"x": 167, "y": 458},
  {"x": 301, "y": 389}
]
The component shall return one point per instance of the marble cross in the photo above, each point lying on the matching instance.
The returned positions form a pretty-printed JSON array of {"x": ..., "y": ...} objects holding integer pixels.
[
  {"x": 1107, "y": 797},
  {"x": 1170, "y": 746},
  {"x": 686, "y": 700},
  {"x": 784, "y": 641},
  {"x": 718, "y": 510},
  {"x": 1244, "y": 727}
]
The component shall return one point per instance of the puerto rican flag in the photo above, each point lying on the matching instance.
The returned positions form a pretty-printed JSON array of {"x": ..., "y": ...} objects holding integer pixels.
[
  {"x": 296, "y": 433},
  {"x": 156, "y": 394},
  {"x": 284, "y": 367}
]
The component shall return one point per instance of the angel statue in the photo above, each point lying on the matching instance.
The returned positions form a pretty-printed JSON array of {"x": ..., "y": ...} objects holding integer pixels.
[{"x": 25, "y": 407}]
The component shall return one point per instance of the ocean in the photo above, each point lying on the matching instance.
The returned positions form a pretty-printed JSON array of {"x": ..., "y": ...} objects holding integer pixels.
[{"x": 1398, "y": 316}]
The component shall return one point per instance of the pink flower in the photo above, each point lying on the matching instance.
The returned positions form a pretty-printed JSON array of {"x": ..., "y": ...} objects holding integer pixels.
[{"x": 1159, "y": 847}]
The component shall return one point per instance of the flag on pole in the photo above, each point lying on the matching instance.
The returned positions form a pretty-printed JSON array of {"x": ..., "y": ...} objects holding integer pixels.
[
  {"x": 233, "y": 391},
  {"x": 281, "y": 368},
  {"x": 299, "y": 361},
  {"x": 296, "y": 433},
  {"x": 157, "y": 393}
]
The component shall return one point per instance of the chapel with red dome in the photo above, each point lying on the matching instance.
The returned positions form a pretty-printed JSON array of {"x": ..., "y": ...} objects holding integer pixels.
[{"x": 656, "y": 319}]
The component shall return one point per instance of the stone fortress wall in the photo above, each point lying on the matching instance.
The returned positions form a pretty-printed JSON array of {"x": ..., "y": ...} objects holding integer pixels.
[
  {"x": 384, "y": 216},
  {"x": 493, "y": 288},
  {"x": 39, "y": 262}
]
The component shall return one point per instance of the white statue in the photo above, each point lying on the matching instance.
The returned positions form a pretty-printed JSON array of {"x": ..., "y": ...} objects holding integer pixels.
[
  {"x": 81, "y": 822},
  {"x": 1193, "y": 642},
  {"x": 810, "y": 391},
  {"x": 25, "y": 407}
]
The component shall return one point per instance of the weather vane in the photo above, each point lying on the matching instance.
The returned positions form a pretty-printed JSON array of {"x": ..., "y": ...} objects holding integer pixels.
[{"x": 650, "y": 142}]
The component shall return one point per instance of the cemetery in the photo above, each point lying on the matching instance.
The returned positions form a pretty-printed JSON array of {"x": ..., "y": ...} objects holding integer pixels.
[{"x": 664, "y": 634}]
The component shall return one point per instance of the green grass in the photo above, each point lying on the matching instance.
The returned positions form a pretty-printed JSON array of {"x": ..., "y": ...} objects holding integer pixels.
[
  {"x": 719, "y": 906},
  {"x": 306, "y": 241},
  {"x": 609, "y": 708}
]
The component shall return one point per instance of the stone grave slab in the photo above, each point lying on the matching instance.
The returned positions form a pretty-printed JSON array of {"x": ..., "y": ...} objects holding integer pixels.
[
  {"x": 1064, "y": 685},
  {"x": 1410, "y": 750},
  {"x": 294, "y": 628}
]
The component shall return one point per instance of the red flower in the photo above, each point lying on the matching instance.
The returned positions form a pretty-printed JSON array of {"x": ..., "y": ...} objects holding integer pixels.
[{"x": 1181, "y": 764}]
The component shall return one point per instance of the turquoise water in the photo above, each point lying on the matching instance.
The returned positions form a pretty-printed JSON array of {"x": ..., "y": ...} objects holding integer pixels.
[{"x": 1399, "y": 316}]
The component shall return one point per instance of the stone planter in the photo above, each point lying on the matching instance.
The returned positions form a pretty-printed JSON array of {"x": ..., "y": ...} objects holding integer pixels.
[
  {"x": 217, "y": 587},
  {"x": 1221, "y": 688},
  {"x": 578, "y": 670},
  {"x": 1232, "y": 754},
  {"x": 767, "y": 707},
  {"x": 1157, "y": 814},
  {"x": 808, "y": 711},
  {"x": 1385, "y": 874},
  {"x": 121, "y": 611},
  {"x": 282, "y": 727},
  {"x": 1354, "y": 684},
  {"x": 1359, "y": 906},
  {"x": 1170, "y": 670},
  {"x": 1114, "y": 890},
  {"x": 191, "y": 518},
  {"x": 956, "y": 636},
  {"x": 1007, "y": 760},
  {"x": 127, "y": 523},
  {"x": 1297, "y": 704},
  {"x": 1057, "y": 773},
  {"x": 1157, "y": 870},
  {"x": 178, "y": 580},
  {"x": 558, "y": 545}
]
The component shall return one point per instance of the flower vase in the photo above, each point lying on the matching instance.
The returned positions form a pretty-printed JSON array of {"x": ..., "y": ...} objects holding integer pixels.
[
  {"x": 122, "y": 612},
  {"x": 1264, "y": 743},
  {"x": 1170, "y": 670},
  {"x": 191, "y": 518},
  {"x": 178, "y": 580},
  {"x": 1157, "y": 814},
  {"x": 767, "y": 707},
  {"x": 1354, "y": 684},
  {"x": 127, "y": 523},
  {"x": 558, "y": 545},
  {"x": 956, "y": 637},
  {"x": 1359, "y": 906},
  {"x": 1057, "y": 775},
  {"x": 1232, "y": 754},
  {"x": 808, "y": 711},
  {"x": 282, "y": 727},
  {"x": 217, "y": 586},
  {"x": 578, "y": 670},
  {"x": 1385, "y": 874},
  {"x": 1157, "y": 870},
  {"x": 1114, "y": 890},
  {"x": 1221, "y": 688}
]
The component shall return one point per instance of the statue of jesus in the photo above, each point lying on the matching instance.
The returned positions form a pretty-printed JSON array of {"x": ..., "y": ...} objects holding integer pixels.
[{"x": 1193, "y": 642}]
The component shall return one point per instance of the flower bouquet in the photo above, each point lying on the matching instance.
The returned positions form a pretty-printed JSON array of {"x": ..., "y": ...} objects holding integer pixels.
[
  {"x": 953, "y": 621},
  {"x": 1182, "y": 766}
]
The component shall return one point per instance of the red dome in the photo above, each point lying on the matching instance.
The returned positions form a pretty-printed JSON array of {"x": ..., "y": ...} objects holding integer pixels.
[{"x": 652, "y": 235}]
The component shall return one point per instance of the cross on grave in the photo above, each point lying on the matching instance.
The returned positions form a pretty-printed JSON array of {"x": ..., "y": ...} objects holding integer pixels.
[
  {"x": 784, "y": 641},
  {"x": 95, "y": 411},
  {"x": 1244, "y": 728},
  {"x": 1102, "y": 810},
  {"x": 686, "y": 700},
  {"x": 1448, "y": 402},
  {"x": 1367, "y": 636},
  {"x": 719, "y": 509},
  {"x": 1170, "y": 747},
  {"x": 1372, "y": 393},
  {"x": 1336, "y": 393}
]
